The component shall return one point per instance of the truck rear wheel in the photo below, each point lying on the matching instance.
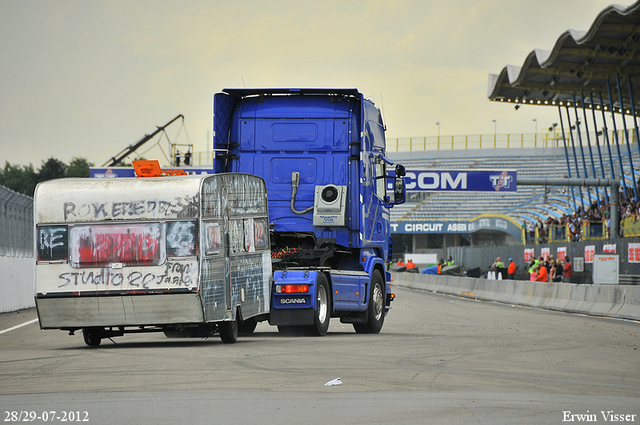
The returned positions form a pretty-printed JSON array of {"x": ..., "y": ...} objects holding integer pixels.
[
  {"x": 322, "y": 315},
  {"x": 375, "y": 310}
]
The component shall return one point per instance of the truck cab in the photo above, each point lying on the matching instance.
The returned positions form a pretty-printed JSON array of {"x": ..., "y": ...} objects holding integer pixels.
[{"x": 321, "y": 153}]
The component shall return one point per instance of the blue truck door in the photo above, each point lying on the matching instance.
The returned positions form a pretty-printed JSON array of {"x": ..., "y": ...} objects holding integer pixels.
[{"x": 376, "y": 214}]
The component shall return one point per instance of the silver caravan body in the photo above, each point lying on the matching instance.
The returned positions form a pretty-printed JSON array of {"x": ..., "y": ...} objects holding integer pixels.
[{"x": 185, "y": 255}]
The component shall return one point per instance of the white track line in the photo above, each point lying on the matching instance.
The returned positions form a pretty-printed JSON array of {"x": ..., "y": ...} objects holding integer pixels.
[{"x": 13, "y": 328}]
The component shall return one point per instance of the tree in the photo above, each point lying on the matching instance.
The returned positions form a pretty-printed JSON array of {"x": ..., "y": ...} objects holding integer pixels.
[
  {"x": 22, "y": 179},
  {"x": 52, "y": 169},
  {"x": 79, "y": 167}
]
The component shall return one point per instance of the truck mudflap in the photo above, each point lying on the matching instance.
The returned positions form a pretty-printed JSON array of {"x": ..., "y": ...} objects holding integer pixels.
[
  {"x": 309, "y": 297},
  {"x": 293, "y": 297}
]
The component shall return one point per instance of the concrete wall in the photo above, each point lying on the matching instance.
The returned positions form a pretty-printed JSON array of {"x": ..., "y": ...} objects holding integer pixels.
[
  {"x": 16, "y": 283},
  {"x": 618, "y": 301}
]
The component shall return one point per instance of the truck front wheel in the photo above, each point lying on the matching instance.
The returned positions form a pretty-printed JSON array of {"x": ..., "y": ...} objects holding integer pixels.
[
  {"x": 323, "y": 306},
  {"x": 376, "y": 307}
]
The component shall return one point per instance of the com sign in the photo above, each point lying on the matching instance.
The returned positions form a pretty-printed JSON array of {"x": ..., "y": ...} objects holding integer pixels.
[{"x": 461, "y": 180}]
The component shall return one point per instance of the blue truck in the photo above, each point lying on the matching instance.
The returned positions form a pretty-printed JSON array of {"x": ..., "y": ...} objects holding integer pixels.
[{"x": 330, "y": 186}]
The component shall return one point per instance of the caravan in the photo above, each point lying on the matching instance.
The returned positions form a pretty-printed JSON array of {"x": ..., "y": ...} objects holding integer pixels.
[{"x": 183, "y": 255}]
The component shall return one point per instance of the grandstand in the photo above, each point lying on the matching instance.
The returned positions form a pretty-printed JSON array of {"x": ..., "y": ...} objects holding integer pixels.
[
  {"x": 529, "y": 203},
  {"x": 592, "y": 78}
]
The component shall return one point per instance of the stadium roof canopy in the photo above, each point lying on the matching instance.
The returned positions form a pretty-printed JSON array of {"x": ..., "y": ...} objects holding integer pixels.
[{"x": 581, "y": 65}]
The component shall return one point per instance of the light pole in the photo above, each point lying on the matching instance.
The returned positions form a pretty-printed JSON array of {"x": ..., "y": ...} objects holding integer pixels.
[
  {"x": 535, "y": 135},
  {"x": 495, "y": 131},
  {"x": 438, "y": 124},
  {"x": 555, "y": 134}
]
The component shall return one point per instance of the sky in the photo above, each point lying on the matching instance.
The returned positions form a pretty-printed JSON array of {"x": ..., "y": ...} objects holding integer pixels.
[{"x": 88, "y": 78}]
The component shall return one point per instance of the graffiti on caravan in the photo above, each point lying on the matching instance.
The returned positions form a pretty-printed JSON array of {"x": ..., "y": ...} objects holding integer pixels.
[
  {"x": 172, "y": 275},
  {"x": 179, "y": 207},
  {"x": 461, "y": 180}
]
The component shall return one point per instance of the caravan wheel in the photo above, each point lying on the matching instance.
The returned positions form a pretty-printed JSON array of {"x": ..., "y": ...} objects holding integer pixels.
[
  {"x": 92, "y": 336},
  {"x": 229, "y": 331}
]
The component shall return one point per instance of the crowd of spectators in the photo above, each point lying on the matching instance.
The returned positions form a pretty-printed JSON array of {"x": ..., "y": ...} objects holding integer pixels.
[
  {"x": 541, "y": 269},
  {"x": 550, "y": 269},
  {"x": 594, "y": 217}
]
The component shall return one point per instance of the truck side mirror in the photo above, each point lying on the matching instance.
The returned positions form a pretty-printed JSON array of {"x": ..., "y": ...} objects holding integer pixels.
[
  {"x": 399, "y": 189},
  {"x": 400, "y": 171}
]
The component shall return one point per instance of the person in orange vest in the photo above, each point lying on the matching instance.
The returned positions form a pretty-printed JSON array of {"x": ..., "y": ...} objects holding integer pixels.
[
  {"x": 543, "y": 274},
  {"x": 567, "y": 273},
  {"x": 511, "y": 270},
  {"x": 440, "y": 265},
  {"x": 400, "y": 263},
  {"x": 410, "y": 264}
]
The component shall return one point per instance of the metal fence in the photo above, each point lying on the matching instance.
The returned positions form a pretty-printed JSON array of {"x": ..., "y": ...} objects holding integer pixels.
[
  {"x": 16, "y": 224},
  {"x": 470, "y": 257},
  {"x": 502, "y": 141}
]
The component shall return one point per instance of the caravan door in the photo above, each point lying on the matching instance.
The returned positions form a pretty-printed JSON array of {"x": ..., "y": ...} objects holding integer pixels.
[{"x": 236, "y": 258}]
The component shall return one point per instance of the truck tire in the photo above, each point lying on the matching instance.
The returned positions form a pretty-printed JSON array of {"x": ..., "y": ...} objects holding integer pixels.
[
  {"x": 229, "y": 330},
  {"x": 92, "y": 336},
  {"x": 375, "y": 310},
  {"x": 322, "y": 315}
]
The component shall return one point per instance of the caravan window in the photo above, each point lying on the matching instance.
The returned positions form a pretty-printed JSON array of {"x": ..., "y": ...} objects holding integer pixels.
[
  {"x": 182, "y": 237},
  {"x": 213, "y": 238},
  {"x": 128, "y": 244},
  {"x": 52, "y": 243},
  {"x": 236, "y": 235},
  {"x": 261, "y": 233}
]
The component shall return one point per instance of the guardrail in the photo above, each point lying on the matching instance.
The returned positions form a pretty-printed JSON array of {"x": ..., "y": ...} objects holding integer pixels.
[
  {"x": 590, "y": 231},
  {"x": 594, "y": 230},
  {"x": 16, "y": 250},
  {"x": 618, "y": 301},
  {"x": 16, "y": 224},
  {"x": 493, "y": 141},
  {"x": 478, "y": 141},
  {"x": 630, "y": 226}
]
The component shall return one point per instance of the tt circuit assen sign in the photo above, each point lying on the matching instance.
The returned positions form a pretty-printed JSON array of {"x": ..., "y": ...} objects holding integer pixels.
[
  {"x": 492, "y": 222},
  {"x": 461, "y": 180}
]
